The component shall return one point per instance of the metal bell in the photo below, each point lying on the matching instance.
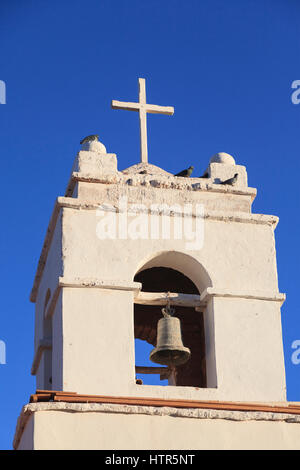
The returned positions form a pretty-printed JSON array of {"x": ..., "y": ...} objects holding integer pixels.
[{"x": 169, "y": 350}]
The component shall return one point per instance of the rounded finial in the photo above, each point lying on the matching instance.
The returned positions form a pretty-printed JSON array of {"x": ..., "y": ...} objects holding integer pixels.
[
  {"x": 96, "y": 146},
  {"x": 222, "y": 157},
  {"x": 92, "y": 144}
]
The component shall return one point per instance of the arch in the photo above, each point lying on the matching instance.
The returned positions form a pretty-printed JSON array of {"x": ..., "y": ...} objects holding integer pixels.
[
  {"x": 181, "y": 262},
  {"x": 172, "y": 271}
]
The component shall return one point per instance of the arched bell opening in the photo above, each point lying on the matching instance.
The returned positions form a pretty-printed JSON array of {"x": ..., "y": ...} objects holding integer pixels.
[{"x": 162, "y": 280}]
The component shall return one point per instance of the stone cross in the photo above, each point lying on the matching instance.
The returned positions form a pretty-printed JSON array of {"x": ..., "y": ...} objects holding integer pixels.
[{"x": 143, "y": 108}]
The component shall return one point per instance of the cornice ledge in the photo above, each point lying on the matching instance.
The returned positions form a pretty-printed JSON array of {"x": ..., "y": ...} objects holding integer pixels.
[
  {"x": 159, "y": 181},
  {"x": 243, "y": 217},
  {"x": 100, "y": 284},
  {"x": 79, "y": 282},
  {"x": 256, "y": 295}
]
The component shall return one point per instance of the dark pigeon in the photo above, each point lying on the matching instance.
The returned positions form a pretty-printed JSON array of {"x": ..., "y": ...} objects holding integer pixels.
[
  {"x": 186, "y": 173},
  {"x": 231, "y": 181},
  {"x": 89, "y": 138}
]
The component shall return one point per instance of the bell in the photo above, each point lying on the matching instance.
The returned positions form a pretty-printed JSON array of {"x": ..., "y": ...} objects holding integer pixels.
[{"x": 169, "y": 350}]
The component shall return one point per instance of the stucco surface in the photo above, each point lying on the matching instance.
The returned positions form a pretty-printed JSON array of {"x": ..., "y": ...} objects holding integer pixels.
[
  {"x": 94, "y": 426},
  {"x": 94, "y": 325},
  {"x": 92, "y": 301}
]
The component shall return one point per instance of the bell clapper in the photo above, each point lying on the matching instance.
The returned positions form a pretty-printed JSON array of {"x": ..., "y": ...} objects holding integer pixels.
[{"x": 173, "y": 375}]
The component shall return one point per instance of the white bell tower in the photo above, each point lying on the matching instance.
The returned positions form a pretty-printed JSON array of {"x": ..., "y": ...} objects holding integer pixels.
[
  {"x": 94, "y": 290},
  {"x": 119, "y": 245}
]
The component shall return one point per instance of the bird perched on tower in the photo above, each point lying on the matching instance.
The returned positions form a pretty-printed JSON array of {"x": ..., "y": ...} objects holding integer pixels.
[
  {"x": 89, "y": 138},
  {"x": 231, "y": 181},
  {"x": 186, "y": 173}
]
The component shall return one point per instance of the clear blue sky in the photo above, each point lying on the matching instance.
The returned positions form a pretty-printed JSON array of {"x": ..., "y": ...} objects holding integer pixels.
[{"x": 226, "y": 66}]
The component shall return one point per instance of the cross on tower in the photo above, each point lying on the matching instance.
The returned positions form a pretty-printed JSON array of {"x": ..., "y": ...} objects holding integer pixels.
[{"x": 143, "y": 108}]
